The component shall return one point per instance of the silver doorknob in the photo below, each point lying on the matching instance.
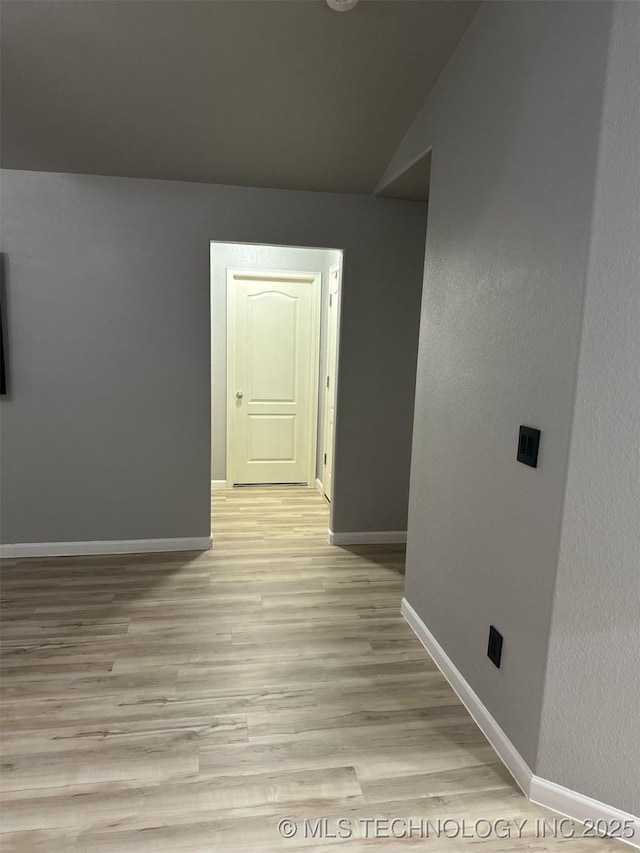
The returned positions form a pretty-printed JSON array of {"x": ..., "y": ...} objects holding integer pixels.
[{"x": 239, "y": 395}]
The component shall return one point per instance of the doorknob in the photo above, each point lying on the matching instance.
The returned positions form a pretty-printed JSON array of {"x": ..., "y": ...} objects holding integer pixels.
[{"x": 239, "y": 395}]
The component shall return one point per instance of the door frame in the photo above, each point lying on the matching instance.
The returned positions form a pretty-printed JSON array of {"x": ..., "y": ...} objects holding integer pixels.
[
  {"x": 313, "y": 279},
  {"x": 334, "y": 389}
]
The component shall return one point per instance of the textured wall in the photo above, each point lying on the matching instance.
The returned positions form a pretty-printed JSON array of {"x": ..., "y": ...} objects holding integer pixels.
[
  {"x": 244, "y": 256},
  {"x": 590, "y": 733},
  {"x": 514, "y": 124},
  {"x": 106, "y": 432}
]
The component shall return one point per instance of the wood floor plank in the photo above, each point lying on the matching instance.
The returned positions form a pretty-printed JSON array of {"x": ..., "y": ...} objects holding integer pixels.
[{"x": 189, "y": 702}]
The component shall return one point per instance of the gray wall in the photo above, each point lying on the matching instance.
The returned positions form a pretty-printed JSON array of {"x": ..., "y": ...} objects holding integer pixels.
[
  {"x": 591, "y": 714},
  {"x": 106, "y": 432},
  {"x": 247, "y": 256},
  {"x": 514, "y": 125}
]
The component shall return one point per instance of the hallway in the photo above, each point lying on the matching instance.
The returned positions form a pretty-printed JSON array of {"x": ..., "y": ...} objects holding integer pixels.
[{"x": 178, "y": 702}]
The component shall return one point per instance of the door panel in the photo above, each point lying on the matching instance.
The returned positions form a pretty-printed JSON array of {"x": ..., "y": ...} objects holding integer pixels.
[
  {"x": 272, "y": 333},
  {"x": 272, "y": 376},
  {"x": 272, "y": 438}
]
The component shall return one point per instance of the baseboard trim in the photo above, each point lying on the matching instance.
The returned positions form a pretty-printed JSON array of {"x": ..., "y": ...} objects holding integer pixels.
[
  {"x": 540, "y": 791},
  {"x": 319, "y": 486},
  {"x": 507, "y": 752},
  {"x": 581, "y": 808},
  {"x": 111, "y": 546},
  {"x": 368, "y": 537},
  {"x": 218, "y": 484}
]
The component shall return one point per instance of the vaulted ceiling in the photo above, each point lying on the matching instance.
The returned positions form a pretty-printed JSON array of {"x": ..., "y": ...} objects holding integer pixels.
[{"x": 277, "y": 93}]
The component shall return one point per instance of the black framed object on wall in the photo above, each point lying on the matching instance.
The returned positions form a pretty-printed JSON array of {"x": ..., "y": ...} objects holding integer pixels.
[
  {"x": 3, "y": 368},
  {"x": 3, "y": 374}
]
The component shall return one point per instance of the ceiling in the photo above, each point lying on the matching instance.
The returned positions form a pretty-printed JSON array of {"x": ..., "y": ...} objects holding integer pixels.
[
  {"x": 413, "y": 183},
  {"x": 277, "y": 93}
]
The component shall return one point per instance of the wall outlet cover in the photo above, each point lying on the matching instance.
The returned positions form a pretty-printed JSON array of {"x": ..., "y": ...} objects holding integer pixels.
[
  {"x": 528, "y": 444},
  {"x": 494, "y": 650}
]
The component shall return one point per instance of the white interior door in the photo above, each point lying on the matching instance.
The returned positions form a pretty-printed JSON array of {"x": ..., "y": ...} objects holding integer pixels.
[
  {"x": 272, "y": 376},
  {"x": 332, "y": 368}
]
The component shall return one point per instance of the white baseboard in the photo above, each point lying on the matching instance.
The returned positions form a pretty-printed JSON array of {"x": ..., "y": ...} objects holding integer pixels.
[
  {"x": 563, "y": 800},
  {"x": 580, "y": 808},
  {"x": 218, "y": 484},
  {"x": 110, "y": 546},
  {"x": 319, "y": 486},
  {"x": 368, "y": 537},
  {"x": 507, "y": 752}
]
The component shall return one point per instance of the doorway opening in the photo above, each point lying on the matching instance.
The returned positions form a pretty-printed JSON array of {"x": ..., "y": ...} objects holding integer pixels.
[{"x": 275, "y": 315}]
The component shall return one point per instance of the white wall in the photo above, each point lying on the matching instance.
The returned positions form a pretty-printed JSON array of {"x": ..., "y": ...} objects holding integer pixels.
[
  {"x": 590, "y": 735},
  {"x": 248, "y": 256},
  {"x": 514, "y": 125}
]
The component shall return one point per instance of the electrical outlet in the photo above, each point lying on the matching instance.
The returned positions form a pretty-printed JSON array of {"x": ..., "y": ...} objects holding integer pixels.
[{"x": 494, "y": 651}]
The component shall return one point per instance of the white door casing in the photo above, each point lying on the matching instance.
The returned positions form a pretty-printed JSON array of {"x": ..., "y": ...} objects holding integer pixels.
[
  {"x": 331, "y": 379},
  {"x": 272, "y": 376}
]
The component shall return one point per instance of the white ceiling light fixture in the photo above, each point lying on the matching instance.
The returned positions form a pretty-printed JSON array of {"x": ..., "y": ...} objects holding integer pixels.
[{"x": 341, "y": 5}]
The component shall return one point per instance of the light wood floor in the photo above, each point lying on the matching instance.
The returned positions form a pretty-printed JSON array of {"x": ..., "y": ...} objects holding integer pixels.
[{"x": 186, "y": 702}]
